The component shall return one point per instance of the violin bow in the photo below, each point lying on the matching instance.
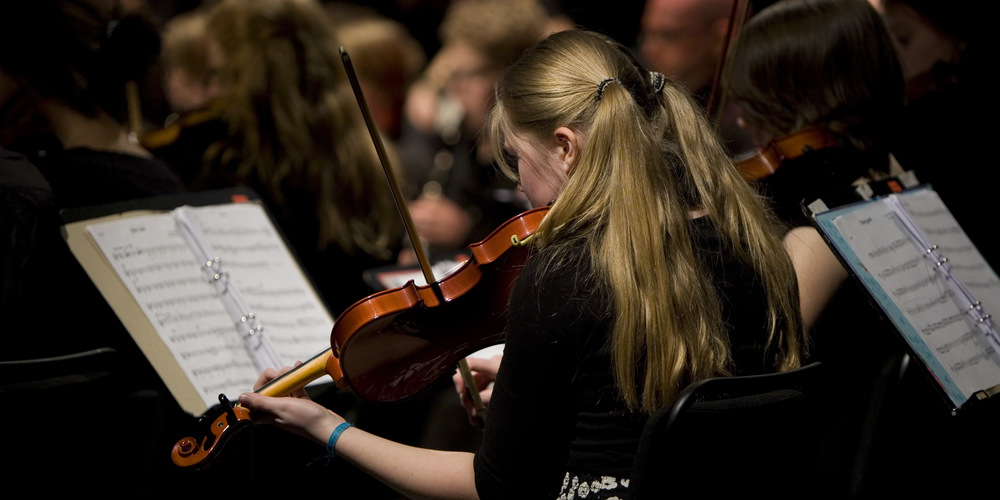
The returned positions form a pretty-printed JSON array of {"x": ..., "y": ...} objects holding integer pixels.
[
  {"x": 740, "y": 12},
  {"x": 404, "y": 212}
]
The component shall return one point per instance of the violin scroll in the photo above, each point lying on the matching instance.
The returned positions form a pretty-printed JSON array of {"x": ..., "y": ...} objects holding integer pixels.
[{"x": 190, "y": 451}]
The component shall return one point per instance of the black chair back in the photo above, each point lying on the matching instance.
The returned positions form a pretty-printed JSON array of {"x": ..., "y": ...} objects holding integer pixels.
[{"x": 785, "y": 435}]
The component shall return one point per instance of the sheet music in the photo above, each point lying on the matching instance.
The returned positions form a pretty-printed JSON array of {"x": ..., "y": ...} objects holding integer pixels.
[
  {"x": 936, "y": 221},
  {"x": 916, "y": 296},
  {"x": 166, "y": 279}
]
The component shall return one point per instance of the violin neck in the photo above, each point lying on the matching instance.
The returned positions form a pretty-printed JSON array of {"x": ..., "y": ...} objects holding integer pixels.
[{"x": 297, "y": 377}]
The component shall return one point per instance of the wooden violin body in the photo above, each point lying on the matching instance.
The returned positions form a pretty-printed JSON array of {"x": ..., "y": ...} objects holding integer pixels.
[
  {"x": 767, "y": 161},
  {"x": 394, "y": 344}
]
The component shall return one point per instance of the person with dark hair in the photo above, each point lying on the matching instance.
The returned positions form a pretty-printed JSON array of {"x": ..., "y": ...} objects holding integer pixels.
[
  {"x": 69, "y": 80},
  {"x": 63, "y": 106},
  {"x": 64, "y": 72},
  {"x": 655, "y": 266},
  {"x": 845, "y": 80},
  {"x": 943, "y": 54},
  {"x": 832, "y": 65}
]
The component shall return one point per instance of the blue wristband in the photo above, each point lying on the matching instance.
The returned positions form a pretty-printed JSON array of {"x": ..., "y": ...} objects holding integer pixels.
[{"x": 330, "y": 443}]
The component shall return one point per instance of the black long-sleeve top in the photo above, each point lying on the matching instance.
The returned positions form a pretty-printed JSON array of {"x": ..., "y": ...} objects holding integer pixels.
[{"x": 555, "y": 407}]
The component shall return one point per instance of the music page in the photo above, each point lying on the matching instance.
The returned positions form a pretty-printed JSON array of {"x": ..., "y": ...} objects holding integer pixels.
[
  {"x": 916, "y": 293},
  {"x": 168, "y": 282}
]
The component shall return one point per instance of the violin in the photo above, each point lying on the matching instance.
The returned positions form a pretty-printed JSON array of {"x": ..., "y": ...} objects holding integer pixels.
[
  {"x": 768, "y": 159},
  {"x": 394, "y": 344}
]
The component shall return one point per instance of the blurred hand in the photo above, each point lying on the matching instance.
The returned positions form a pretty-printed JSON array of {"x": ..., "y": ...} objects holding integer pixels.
[
  {"x": 484, "y": 372},
  {"x": 440, "y": 221}
]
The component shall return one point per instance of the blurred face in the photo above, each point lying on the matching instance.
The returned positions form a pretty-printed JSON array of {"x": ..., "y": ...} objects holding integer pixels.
[
  {"x": 676, "y": 41},
  {"x": 540, "y": 168},
  {"x": 921, "y": 45},
  {"x": 187, "y": 93},
  {"x": 470, "y": 81}
]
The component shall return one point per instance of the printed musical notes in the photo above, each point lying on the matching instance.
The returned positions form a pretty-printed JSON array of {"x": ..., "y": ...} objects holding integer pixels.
[
  {"x": 166, "y": 280},
  {"x": 931, "y": 281}
]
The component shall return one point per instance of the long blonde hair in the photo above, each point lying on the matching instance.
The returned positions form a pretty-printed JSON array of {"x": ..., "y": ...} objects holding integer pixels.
[
  {"x": 647, "y": 160},
  {"x": 297, "y": 123}
]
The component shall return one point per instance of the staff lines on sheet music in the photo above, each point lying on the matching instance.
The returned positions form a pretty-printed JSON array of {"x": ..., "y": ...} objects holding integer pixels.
[
  {"x": 925, "y": 214},
  {"x": 297, "y": 322},
  {"x": 211, "y": 350},
  {"x": 169, "y": 284},
  {"x": 899, "y": 268},
  {"x": 969, "y": 268},
  {"x": 131, "y": 251},
  {"x": 239, "y": 264},
  {"x": 298, "y": 307},
  {"x": 944, "y": 298},
  {"x": 942, "y": 231},
  {"x": 904, "y": 290},
  {"x": 260, "y": 291},
  {"x": 891, "y": 247},
  {"x": 222, "y": 367},
  {"x": 933, "y": 252},
  {"x": 945, "y": 322},
  {"x": 197, "y": 333},
  {"x": 233, "y": 250},
  {"x": 964, "y": 339},
  {"x": 981, "y": 284},
  {"x": 168, "y": 318},
  {"x": 185, "y": 300},
  {"x": 294, "y": 340},
  {"x": 134, "y": 272},
  {"x": 974, "y": 360},
  {"x": 955, "y": 249},
  {"x": 229, "y": 383},
  {"x": 229, "y": 231}
]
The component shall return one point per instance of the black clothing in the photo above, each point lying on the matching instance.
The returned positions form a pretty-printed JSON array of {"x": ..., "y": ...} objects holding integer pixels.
[
  {"x": 851, "y": 319},
  {"x": 55, "y": 293},
  {"x": 941, "y": 137},
  {"x": 817, "y": 174},
  {"x": 75, "y": 425},
  {"x": 185, "y": 154},
  {"x": 555, "y": 406},
  {"x": 27, "y": 220}
]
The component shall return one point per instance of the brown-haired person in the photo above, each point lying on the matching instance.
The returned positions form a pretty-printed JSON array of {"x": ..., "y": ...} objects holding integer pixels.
[
  {"x": 653, "y": 245},
  {"x": 386, "y": 58},
  {"x": 288, "y": 126}
]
